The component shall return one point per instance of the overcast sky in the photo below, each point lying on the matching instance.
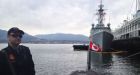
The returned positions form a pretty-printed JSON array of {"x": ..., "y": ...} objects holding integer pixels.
[{"x": 61, "y": 16}]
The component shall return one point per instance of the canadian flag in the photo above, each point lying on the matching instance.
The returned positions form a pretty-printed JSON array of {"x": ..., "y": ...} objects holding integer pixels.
[{"x": 94, "y": 47}]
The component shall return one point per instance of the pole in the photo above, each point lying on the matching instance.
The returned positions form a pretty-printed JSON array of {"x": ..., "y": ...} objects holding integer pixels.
[
  {"x": 89, "y": 60},
  {"x": 136, "y": 5}
]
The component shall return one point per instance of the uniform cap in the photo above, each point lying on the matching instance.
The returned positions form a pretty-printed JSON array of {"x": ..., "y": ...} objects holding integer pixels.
[{"x": 15, "y": 30}]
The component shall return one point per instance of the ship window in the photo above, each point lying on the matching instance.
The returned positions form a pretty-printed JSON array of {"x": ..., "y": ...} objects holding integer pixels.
[
  {"x": 127, "y": 35},
  {"x": 139, "y": 32},
  {"x": 130, "y": 27},
  {"x": 139, "y": 25},
  {"x": 135, "y": 26}
]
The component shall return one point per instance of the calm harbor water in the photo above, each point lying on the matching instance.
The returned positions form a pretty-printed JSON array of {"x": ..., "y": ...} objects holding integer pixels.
[{"x": 60, "y": 59}]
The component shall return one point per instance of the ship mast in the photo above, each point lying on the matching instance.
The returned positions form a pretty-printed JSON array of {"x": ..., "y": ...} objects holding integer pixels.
[
  {"x": 101, "y": 15},
  {"x": 137, "y": 5},
  {"x": 137, "y": 9}
]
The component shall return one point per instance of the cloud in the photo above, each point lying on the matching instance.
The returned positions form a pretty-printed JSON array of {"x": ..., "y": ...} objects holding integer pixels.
[{"x": 58, "y": 16}]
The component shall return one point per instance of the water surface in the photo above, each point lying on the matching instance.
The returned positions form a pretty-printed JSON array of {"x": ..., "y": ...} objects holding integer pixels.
[{"x": 60, "y": 59}]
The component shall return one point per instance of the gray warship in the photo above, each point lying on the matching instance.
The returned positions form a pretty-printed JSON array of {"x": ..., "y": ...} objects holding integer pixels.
[{"x": 101, "y": 35}]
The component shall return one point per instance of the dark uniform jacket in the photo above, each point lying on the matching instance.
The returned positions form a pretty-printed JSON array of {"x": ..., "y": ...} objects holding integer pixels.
[{"x": 16, "y": 61}]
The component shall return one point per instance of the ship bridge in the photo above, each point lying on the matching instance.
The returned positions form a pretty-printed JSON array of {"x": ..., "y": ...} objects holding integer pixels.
[{"x": 98, "y": 29}]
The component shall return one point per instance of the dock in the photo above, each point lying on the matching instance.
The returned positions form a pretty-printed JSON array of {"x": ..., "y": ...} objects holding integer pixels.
[{"x": 84, "y": 73}]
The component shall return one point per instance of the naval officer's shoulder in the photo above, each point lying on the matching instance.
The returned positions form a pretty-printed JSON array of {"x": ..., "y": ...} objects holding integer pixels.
[
  {"x": 23, "y": 47},
  {"x": 4, "y": 49}
]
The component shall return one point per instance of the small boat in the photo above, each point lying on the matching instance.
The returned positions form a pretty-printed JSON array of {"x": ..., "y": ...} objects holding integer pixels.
[{"x": 80, "y": 47}]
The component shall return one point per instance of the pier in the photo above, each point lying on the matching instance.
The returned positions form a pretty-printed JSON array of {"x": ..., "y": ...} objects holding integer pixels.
[{"x": 84, "y": 73}]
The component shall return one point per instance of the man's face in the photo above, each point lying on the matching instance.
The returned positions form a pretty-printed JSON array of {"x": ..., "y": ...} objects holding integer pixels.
[{"x": 14, "y": 38}]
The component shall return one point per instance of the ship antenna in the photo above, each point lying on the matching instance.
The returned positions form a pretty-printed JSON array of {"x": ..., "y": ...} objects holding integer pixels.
[
  {"x": 101, "y": 15},
  {"x": 101, "y": 2},
  {"x": 137, "y": 5},
  {"x": 109, "y": 18},
  {"x": 130, "y": 10}
]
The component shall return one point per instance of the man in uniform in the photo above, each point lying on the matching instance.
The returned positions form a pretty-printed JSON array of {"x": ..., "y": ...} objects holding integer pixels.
[{"x": 16, "y": 59}]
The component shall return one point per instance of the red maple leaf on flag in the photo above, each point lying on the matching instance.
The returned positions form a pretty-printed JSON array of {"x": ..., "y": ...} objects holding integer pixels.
[{"x": 94, "y": 47}]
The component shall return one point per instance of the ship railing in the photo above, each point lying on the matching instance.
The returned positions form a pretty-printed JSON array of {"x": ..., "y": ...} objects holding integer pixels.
[{"x": 102, "y": 31}]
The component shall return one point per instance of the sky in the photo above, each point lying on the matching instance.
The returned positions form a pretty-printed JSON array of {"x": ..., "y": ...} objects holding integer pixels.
[{"x": 61, "y": 16}]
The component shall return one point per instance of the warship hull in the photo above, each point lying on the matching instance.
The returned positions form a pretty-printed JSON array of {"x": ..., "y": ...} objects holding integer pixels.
[
  {"x": 103, "y": 40},
  {"x": 95, "y": 59},
  {"x": 98, "y": 60}
]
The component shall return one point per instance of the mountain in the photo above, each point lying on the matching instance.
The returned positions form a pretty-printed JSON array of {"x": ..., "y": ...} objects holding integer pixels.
[
  {"x": 48, "y": 38},
  {"x": 26, "y": 37},
  {"x": 63, "y": 37},
  {"x": 3, "y": 35}
]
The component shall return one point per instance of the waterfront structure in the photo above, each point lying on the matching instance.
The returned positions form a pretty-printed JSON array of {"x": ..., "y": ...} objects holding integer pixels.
[
  {"x": 127, "y": 37},
  {"x": 129, "y": 28}
]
